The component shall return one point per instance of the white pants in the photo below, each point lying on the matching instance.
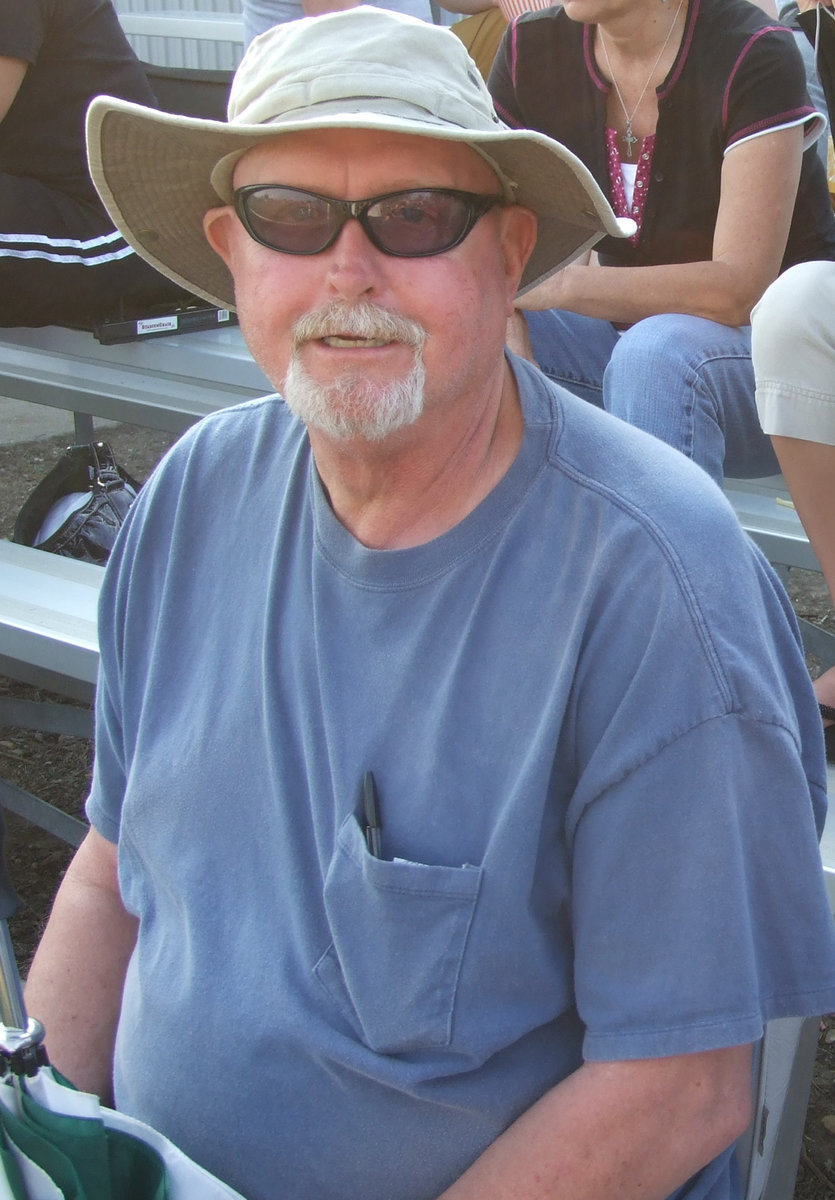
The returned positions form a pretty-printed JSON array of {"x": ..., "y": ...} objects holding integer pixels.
[{"x": 793, "y": 351}]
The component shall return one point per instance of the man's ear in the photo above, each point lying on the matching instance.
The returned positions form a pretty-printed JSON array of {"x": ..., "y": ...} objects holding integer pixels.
[
  {"x": 218, "y": 224},
  {"x": 518, "y": 241}
]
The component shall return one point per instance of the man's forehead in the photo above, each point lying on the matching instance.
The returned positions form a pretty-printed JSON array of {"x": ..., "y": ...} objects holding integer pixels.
[{"x": 393, "y": 159}]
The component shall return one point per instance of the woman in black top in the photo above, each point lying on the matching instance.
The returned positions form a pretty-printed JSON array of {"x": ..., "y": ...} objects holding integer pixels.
[{"x": 693, "y": 117}]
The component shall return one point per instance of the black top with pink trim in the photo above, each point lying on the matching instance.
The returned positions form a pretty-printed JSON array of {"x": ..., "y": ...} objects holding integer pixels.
[{"x": 736, "y": 75}]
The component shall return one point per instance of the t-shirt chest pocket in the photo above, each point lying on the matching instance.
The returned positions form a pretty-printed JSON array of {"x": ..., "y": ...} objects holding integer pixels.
[{"x": 399, "y": 933}]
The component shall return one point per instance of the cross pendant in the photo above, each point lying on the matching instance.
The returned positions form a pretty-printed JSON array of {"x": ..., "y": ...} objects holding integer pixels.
[{"x": 629, "y": 138}]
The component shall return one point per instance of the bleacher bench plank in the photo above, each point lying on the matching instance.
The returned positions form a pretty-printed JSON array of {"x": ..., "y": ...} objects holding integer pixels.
[
  {"x": 48, "y": 626},
  {"x": 166, "y": 383},
  {"x": 185, "y": 40},
  {"x": 204, "y": 26},
  {"x": 765, "y": 510},
  {"x": 48, "y": 637}
]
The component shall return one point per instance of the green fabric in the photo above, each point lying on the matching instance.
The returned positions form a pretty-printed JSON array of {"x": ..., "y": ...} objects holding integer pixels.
[
  {"x": 84, "y": 1158},
  {"x": 136, "y": 1170},
  {"x": 50, "y": 1157},
  {"x": 8, "y": 1164}
]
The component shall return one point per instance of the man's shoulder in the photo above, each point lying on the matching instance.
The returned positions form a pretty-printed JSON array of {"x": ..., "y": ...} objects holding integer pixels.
[
  {"x": 237, "y": 427},
  {"x": 648, "y": 532},
  {"x": 211, "y": 500},
  {"x": 241, "y": 447},
  {"x": 645, "y": 502},
  {"x": 623, "y": 467}
]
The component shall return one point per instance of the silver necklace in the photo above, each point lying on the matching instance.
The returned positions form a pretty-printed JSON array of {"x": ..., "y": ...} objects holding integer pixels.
[{"x": 629, "y": 137}]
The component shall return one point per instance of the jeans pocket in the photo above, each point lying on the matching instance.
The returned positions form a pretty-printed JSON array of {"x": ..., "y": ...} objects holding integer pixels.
[{"x": 399, "y": 932}]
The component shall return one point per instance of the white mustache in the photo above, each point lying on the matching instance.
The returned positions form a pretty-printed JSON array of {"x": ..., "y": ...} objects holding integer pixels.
[{"x": 367, "y": 321}]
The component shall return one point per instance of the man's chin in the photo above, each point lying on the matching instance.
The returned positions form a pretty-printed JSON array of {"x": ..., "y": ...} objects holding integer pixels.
[
  {"x": 355, "y": 407},
  {"x": 352, "y": 425}
]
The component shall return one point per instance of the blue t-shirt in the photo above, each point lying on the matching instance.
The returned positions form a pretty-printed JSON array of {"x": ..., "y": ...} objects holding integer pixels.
[{"x": 599, "y": 766}]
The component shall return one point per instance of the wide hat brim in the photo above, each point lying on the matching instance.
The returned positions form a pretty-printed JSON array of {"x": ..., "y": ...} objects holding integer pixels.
[{"x": 153, "y": 169}]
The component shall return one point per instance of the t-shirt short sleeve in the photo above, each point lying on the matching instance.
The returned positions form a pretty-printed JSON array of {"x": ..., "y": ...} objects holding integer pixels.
[
  {"x": 22, "y": 29},
  {"x": 766, "y": 89}
]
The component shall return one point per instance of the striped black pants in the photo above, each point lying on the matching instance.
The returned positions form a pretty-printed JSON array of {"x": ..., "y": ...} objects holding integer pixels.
[{"x": 63, "y": 263}]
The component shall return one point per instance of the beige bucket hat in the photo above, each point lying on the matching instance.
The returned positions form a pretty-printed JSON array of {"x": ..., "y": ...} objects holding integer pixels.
[{"x": 362, "y": 68}]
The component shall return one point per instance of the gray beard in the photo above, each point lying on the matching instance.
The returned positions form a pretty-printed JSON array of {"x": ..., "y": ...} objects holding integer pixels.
[{"x": 354, "y": 406}]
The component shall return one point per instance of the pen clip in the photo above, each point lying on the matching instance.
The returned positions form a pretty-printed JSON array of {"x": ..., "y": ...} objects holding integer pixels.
[{"x": 371, "y": 809}]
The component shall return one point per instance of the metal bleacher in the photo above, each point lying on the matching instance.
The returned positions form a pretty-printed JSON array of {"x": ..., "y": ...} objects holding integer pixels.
[{"x": 204, "y": 34}]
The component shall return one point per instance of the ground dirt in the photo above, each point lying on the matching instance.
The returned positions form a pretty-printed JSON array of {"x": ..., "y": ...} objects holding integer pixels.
[{"x": 56, "y": 767}]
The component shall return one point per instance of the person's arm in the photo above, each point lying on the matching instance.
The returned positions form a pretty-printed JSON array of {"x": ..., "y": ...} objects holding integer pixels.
[
  {"x": 75, "y": 982},
  {"x": 467, "y": 7},
  {"x": 618, "y": 1131},
  {"x": 12, "y": 71},
  {"x": 758, "y": 189},
  {"x": 819, "y": 28},
  {"x": 314, "y": 8}
]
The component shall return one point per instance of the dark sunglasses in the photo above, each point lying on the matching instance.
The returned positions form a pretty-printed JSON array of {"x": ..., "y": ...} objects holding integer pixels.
[{"x": 409, "y": 224}]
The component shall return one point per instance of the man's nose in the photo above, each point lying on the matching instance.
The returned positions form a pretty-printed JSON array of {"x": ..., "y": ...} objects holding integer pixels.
[{"x": 354, "y": 267}]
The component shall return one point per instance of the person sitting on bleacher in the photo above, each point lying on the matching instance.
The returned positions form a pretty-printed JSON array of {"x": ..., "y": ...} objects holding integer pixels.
[
  {"x": 528, "y": 957},
  {"x": 793, "y": 352},
  {"x": 694, "y": 118},
  {"x": 62, "y": 262}
]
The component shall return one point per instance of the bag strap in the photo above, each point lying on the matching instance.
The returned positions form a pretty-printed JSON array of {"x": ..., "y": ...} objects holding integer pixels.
[{"x": 103, "y": 468}]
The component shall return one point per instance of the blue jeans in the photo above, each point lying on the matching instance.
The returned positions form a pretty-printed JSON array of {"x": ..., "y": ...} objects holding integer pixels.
[{"x": 686, "y": 380}]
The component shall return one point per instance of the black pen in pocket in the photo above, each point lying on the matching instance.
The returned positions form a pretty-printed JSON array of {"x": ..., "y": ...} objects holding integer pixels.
[{"x": 371, "y": 808}]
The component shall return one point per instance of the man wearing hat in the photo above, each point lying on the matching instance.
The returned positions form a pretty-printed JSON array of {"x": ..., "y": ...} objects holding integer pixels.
[{"x": 458, "y": 775}]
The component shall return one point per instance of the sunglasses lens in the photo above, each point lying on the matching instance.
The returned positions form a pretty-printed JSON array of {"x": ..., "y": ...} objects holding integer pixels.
[
  {"x": 413, "y": 224},
  {"x": 291, "y": 221}
]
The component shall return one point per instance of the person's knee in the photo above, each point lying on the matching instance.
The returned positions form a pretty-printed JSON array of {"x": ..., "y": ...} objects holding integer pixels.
[
  {"x": 660, "y": 340},
  {"x": 655, "y": 351},
  {"x": 689, "y": 382},
  {"x": 795, "y": 310}
]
